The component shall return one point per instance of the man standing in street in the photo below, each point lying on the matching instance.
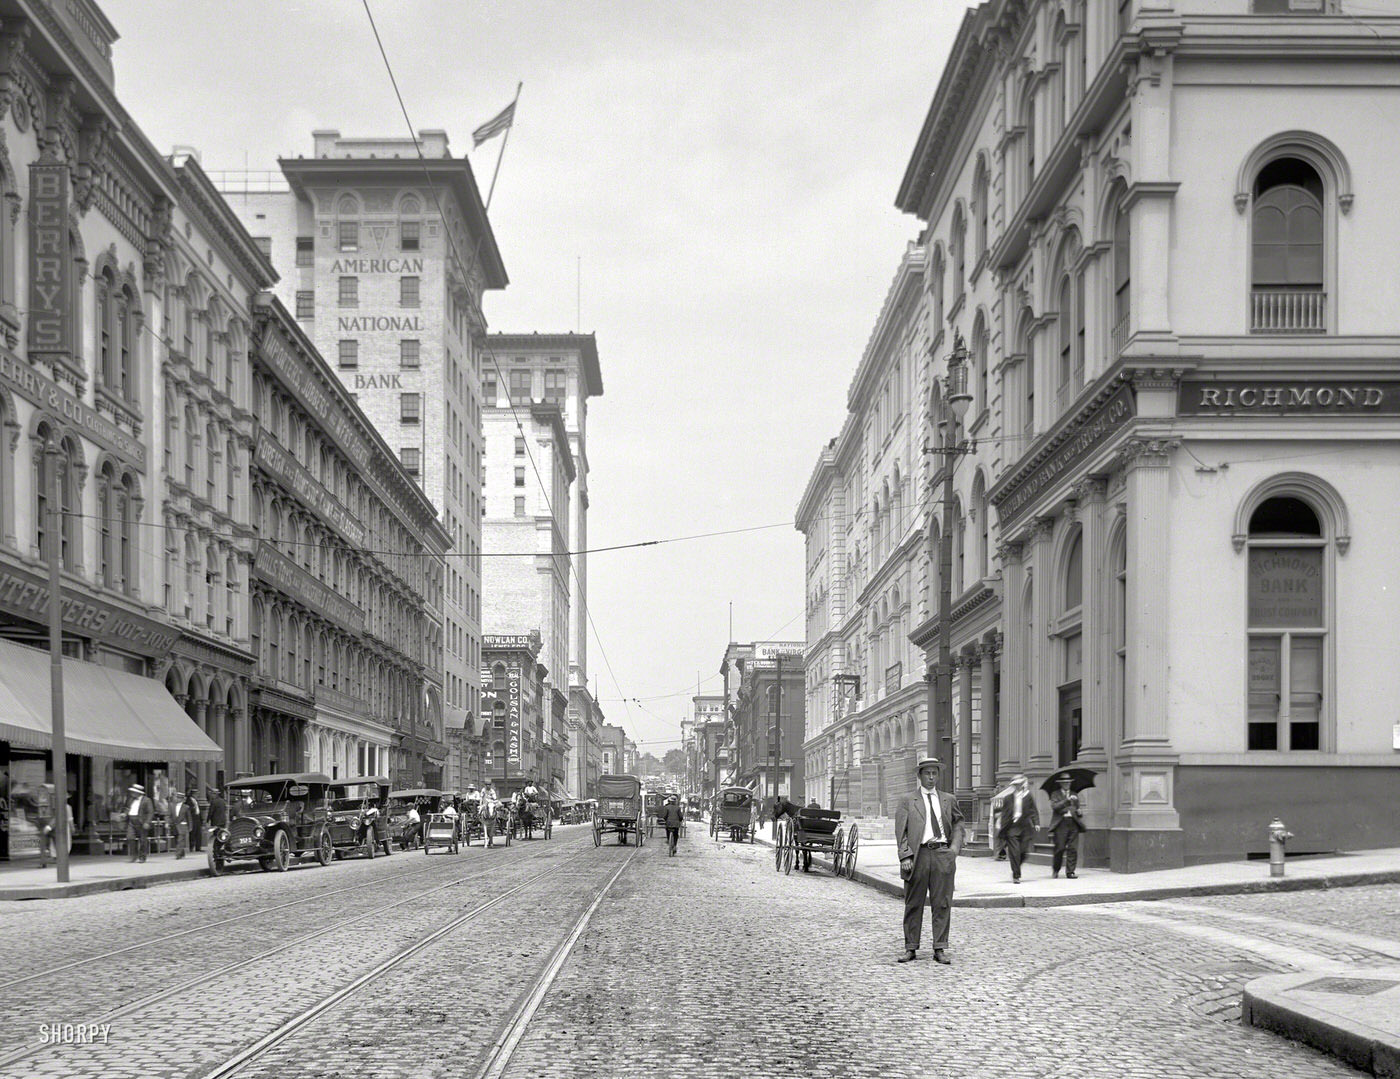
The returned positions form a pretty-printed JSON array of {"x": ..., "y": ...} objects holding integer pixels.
[
  {"x": 196, "y": 821},
  {"x": 1019, "y": 822},
  {"x": 672, "y": 818},
  {"x": 1065, "y": 826},
  {"x": 928, "y": 828},
  {"x": 217, "y": 815},
  {"x": 140, "y": 811}
]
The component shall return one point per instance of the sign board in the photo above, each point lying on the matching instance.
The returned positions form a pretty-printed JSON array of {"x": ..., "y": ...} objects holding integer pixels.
[
  {"x": 513, "y": 713},
  {"x": 774, "y": 649},
  {"x": 1288, "y": 397},
  {"x": 27, "y": 381},
  {"x": 296, "y": 478},
  {"x": 1285, "y": 587},
  {"x": 27, "y": 595},
  {"x": 51, "y": 271},
  {"x": 286, "y": 576},
  {"x": 1091, "y": 435}
]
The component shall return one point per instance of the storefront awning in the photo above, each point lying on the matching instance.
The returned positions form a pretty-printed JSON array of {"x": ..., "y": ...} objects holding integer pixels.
[{"x": 106, "y": 713}]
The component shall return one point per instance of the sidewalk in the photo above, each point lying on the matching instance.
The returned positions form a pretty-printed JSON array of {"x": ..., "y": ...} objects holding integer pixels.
[
  {"x": 985, "y": 882},
  {"x": 96, "y": 873}
]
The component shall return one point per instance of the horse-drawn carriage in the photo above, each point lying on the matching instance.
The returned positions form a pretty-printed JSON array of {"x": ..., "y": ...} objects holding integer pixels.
[
  {"x": 815, "y": 831},
  {"x": 620, "y": 808},
  {"x": 442, "y": 830},
  {"x": 469, "y": 823},
  {"x": 734, "y": 813},
  {"x": 532, "y": 813}
]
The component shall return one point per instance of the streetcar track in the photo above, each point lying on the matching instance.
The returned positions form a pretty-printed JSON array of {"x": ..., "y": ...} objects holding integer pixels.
[
  {"x": 213, "y": 925},
  {"x": 274, "y": 1038},
  {"x": 503, "y": 1048},
  {"x": 146, "y": 1002}
]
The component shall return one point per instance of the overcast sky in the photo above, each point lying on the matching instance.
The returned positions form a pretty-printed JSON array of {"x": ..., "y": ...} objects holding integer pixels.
[{"x": 725, "y": 170}]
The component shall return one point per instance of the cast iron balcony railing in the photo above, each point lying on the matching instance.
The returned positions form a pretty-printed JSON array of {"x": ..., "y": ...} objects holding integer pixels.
[{"x": 1288, "y": 311}]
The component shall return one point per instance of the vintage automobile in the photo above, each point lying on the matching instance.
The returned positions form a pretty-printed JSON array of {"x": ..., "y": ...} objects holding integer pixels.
[
  {"x": 359, "y": 818},
  {"x": 425, "y": 800},
  {"x": 274, "y": 819}
]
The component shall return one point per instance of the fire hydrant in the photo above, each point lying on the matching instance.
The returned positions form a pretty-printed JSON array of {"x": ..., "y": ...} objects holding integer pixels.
[{"x": 1278, "y": 836}]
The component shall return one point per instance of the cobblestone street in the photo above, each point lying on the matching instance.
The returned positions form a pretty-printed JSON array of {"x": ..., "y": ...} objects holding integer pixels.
[{"x": 708, "y": 964}]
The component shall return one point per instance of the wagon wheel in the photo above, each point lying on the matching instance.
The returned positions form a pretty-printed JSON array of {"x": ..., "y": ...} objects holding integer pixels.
[
  {"x": 714, "y": 827},
  {"x": 651, "y": 826},
  {"x": 778, "y": 840},
  {"x": 639, "y": 833},
  {"x": 548, "y": 827},
  {"x": 848, "y": 862},
  {"x": 837, "y": 844},
  {"x": 597, "y": 832},
  {"x": 789, "y": 852}
]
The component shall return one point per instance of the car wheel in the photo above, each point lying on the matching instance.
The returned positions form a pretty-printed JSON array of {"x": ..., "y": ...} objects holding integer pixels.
[
  {"x": 388, "y": 850},
  {"x": 325, "y": 852},
  {"x": 281, "y": 852},
  {"x": 216, "y": 862}
]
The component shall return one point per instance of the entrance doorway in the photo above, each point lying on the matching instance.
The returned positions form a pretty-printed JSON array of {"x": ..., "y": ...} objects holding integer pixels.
[{"x": 1071, "y": 722}]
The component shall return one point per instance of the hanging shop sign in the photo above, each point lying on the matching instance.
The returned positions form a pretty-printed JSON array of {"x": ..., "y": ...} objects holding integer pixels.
[
  {"x": 1285, "y": 397},
  {"x": 1089, "y": 437},
  {"x": 51, "y": 273},
  {"x": 513, "y": 714}
]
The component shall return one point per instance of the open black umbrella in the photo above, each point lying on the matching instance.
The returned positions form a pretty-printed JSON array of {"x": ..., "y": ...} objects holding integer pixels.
[{"x": 1079, "y": 779}]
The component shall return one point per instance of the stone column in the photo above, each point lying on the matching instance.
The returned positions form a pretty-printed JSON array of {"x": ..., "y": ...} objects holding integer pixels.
[
  {"x": 219, "y": 731},
  {"x": 1010, "y": 751},
  {"x": 1043, "y": 708},
  {"x": 1146, "y": 828},
  {"x": 1096, "y": 624},
  {"x": 990, "y": 719},
  {"x": 964, "y": 662}
]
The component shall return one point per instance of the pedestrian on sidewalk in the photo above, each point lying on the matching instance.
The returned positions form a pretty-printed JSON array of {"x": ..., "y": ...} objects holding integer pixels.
[
  {"x": 928, "y": 828},
  {"x": 217, "y": 815},
  {"x": 1065, "y": 826},
  {"x": 180, "y": 822},
  {"x": 1019, "y": 824},
  {"x": 196, "y": 822},
  {"x": 140, "y": 811},
  {"x": 671, "y": 819},
  {"x": 995, "y": 821}
]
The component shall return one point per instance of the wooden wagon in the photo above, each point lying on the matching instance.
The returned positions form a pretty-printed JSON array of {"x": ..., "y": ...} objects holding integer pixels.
[{"x": 816, "y": 831}]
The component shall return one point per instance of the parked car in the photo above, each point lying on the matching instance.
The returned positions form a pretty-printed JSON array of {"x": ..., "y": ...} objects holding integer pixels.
[
  {"x": 359, "y": 818},
  {"x": 273, "y": 819}
]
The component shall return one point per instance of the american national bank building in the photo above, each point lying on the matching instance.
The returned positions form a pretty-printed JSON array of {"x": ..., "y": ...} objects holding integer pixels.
[{"x": 1167, "y": 233}]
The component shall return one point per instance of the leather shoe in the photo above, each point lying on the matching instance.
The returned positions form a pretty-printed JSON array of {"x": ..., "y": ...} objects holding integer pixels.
[
  {"x": 940, "y": 957},
  {"x": 907, "y": 957},
  {"x": 1015, "y": 880},
  {"x": 1071, "y": 876}
]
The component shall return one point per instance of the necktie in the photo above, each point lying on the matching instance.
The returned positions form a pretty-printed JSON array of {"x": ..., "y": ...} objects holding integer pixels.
[{"x": 933, "y": 816}]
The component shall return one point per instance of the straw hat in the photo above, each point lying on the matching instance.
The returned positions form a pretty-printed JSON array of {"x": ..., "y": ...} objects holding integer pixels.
[{"x": 136, "y": 788}]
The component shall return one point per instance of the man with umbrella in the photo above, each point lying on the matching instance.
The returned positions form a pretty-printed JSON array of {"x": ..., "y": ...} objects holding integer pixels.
[{"x": 1065, "y": 822}]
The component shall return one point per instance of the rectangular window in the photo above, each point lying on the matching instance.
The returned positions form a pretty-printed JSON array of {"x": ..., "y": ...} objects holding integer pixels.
[
  {"x": 349, "y": 236},
  {"x": 408, "y": 292},
  {"x": 410, "y": 456},
  {"x": 556, "y": 387},
  {"x": 408, "y": 235},
  {"x": 519, "y": 506},
  {"x": 349, "y": 292},
  {"x": 349, "y": 354},
  {"x": 410, "y": 407},
  {"x": 306, "y": 304},
  {"x": 520, "y": 447},
  {"x": 488, "y": 390},
  {"x": 264, "y": 244},
  {"x": 520, "y": 477},
  {"x": 520, "y": 389},
  {"x": 306, "y": 251},
  {"x": 408, "y": 355},
  {"x": 1287, "y": 617}
]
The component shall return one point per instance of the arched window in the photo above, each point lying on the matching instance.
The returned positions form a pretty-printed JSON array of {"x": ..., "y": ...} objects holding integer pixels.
[
  {"x": 498, "y": 679},
  {"x": 1288, "y": 615},
  {"x": 980, "y": 205},
  {"x": 1074, "y": 575},
  {"x": 211, "y": 585},
  {"x": 1069, "y": 375},
  {"x": 1026, "y": 347},
  {"x": 1122, "y": 280},
  {"x": 106, "y": 347},
  {"x": 1286, "y": 270},
  {"x": 191, "y": 568},
  {"x": 959, "y": 548},
  {"x": 981, "y": 359},
  {"x": 935, "y": 289},
  {"x": 1119, "y": 630},
  {"x": 979, "y": 507},
  {"x": 108, "y": 526},
  {"x": 1028, "y": 120},
  {"x": 958, "y": 242}
]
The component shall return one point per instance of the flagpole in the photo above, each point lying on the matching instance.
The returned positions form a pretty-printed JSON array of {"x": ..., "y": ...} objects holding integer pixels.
[{"x": 504, "y": 139}]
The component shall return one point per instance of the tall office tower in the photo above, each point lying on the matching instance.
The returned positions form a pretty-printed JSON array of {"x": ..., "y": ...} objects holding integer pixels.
[
  {"x": 533, "y": 374},
  {"x": 384, "y": 256}
]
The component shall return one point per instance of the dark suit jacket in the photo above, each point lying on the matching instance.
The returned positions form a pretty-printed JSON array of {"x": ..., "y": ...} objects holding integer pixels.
[
  {"x": 911, "y": 815},
  {"x": 671, "y": 816},
  {"x": 147, "y": 811},
  {"x": 1030, "y": 816},
  {"x": 218, "y": 812},
  {"x": 1064, "y": 814},
  {"x": 181, "y": 815}
]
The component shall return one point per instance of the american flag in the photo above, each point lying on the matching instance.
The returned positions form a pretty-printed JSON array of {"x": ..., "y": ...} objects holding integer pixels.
[{"x": 493, "y": 127}]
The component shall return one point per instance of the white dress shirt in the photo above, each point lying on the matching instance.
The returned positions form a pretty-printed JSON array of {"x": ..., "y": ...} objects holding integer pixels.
[{"x": 933, "y": 822}]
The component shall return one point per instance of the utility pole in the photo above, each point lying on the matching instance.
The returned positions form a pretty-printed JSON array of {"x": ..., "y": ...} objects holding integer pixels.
[
  {"x": 54, "y": 456},
  {"x": 953, "y": 408},
  {"x": 777, "y": 726}
]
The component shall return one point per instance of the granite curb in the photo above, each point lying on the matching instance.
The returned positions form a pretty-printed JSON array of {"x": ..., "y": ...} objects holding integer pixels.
[
  {"x": 1282, "y": 1003},
  {"x": 1244, "y": 887},
  {"x": 93, "y": 887}
]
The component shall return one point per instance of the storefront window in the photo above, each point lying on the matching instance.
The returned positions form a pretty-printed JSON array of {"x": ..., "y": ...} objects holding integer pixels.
[{"x": 1287, "y": 626}]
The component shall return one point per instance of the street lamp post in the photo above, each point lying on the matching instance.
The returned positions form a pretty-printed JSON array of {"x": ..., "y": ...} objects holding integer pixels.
[
  {"x": 53, "y": 454},
  {"x": 953, "y": 407}
]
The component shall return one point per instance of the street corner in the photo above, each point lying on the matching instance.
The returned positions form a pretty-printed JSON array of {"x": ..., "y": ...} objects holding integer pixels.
[{"x": 1352, "y": 1014}]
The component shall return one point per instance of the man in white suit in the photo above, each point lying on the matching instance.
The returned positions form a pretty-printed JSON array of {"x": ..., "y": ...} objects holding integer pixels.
[{"x": 928, "y": 828}]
